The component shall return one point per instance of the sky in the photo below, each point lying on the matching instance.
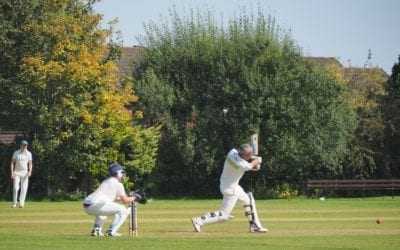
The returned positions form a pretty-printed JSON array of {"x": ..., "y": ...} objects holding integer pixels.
[{"x": 344, "y": 29}]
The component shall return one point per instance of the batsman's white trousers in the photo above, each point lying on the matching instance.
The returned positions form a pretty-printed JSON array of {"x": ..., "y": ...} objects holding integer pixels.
[
  {"x": 23, "y": 182},
  {"x": 100, "y": 210},
  {"x": 231, "y": 196}
]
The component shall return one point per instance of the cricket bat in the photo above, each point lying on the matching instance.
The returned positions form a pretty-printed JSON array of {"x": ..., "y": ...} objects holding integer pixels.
[{"x": 254, "y": 145}]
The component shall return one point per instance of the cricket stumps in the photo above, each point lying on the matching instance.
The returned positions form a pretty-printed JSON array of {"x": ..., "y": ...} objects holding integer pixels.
[{"x": 133, "y": 225}]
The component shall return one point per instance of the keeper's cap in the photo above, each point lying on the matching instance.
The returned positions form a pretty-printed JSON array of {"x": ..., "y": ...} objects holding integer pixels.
[
  {"x": 24, "y": 142},
  {"x": 114, "y": 169}
]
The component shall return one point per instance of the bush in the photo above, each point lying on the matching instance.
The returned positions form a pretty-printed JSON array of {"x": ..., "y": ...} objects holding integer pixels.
[{"x": 254, "y": 70}]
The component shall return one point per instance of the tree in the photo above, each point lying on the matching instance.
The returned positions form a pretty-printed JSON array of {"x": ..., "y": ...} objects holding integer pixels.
[
  {"x": 366, "y": 91},
  {"x": 256, "y": 72},
  {"x": 67, "y": 94},
  {"x": 13, "y": 16},
  {"x": 392, "y": 124}
]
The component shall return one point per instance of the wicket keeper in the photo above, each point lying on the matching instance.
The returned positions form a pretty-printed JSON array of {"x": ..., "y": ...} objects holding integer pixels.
[
  {"x": 236, "y": 164},
  {"x": 107, "y": 199}
]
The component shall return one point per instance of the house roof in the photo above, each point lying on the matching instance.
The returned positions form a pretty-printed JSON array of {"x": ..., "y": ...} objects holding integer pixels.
[
  {"x": 9, "y": 137},
  {"x": 324, "y": 61},
  {"x": 352, "y": 72},
  {"x": 129, "y": 55}
]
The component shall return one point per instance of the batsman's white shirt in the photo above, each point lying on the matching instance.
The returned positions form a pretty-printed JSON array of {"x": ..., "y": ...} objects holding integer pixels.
[
  {"x": 234, "y": 169},
  {"x": 108, "y": 191},
  {"x": 21, "y": 157}
]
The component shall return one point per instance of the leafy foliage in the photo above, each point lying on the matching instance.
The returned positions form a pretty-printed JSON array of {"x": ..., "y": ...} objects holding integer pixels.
[
  {"x": 255, "y": 71},
  {"x": 392, "y": 124},
  {"x": 67, "y": 94},
  {"x": 366, "y": 91}
]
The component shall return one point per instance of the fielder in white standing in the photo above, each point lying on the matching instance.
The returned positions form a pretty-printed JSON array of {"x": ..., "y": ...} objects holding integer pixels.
[
  {"x": 236, "y": 164},
  {"x": 107, "y": 199},
  {"x": 21, "y": 170}
]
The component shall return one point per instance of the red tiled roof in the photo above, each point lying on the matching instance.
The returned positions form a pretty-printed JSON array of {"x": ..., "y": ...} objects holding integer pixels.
[
  {"x": 351, "y": 72},
  {"x": 8, "y": 137},
  {"x": 324, "y": 61},
  {"x": 129, "y": 55}
]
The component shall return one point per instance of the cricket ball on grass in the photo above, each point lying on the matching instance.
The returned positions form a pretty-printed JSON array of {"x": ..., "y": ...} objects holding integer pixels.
[{"x": 379, "y": 221}]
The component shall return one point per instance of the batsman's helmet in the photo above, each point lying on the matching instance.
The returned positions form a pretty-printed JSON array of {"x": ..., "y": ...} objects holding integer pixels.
[{"x": 114, "y": 169}]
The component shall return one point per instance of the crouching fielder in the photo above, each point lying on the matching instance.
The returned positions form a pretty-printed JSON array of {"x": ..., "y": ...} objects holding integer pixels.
[
  {"x": 102, "y": 202},
  {"x": 236, "y": 164}
]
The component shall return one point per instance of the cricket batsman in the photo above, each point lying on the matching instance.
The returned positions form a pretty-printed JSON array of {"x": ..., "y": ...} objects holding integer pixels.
[
  {"x": 107, "y": 199},
  {"x": 236, "y": 164}
]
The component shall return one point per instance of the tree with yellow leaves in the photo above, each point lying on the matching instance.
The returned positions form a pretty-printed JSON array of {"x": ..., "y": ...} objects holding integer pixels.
[
  {"x": 75, "y": 106},
  {"x": 366, "y": 89}
]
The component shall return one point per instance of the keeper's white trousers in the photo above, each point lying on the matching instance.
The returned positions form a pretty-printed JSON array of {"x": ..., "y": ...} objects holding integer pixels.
[
  {"x": 20, "y": 182},
  {"x": 102, "y": 210},
  {"x": 231, "y": 196}
]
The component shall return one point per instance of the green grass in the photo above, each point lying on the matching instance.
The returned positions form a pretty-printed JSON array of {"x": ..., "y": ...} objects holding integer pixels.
[{"x": 293, "y": 224}]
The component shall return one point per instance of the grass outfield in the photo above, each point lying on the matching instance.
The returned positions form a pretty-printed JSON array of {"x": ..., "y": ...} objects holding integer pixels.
[{"x": 165, "y": 224}]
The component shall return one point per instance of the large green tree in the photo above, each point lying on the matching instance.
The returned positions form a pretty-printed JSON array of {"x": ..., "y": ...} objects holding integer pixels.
[
  {"x": 224, "y": 82},
  {"x": 13, "y": 16},
  {"x": 392, "y": 125},
  {"x": 62, "y": 87}
]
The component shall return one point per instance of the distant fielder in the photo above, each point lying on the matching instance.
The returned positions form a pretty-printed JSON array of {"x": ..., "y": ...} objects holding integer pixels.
[
  {"x": 103, "y": 202},
  {"x": 236, "y": 164},
  {"x": 21, "y": 170}
]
